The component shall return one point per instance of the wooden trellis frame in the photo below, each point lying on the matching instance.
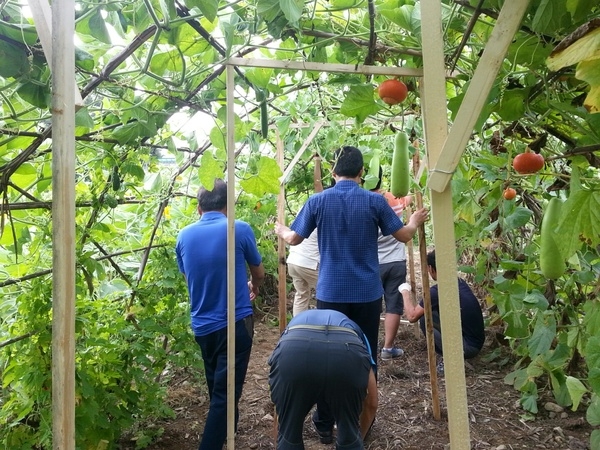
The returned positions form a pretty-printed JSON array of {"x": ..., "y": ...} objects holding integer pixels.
[{"x": 443, "y": 156}]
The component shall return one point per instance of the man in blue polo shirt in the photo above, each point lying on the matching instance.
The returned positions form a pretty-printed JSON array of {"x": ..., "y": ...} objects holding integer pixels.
[
  {"x": 202, "y": 258},
  {"x": 348, "y": 219}
]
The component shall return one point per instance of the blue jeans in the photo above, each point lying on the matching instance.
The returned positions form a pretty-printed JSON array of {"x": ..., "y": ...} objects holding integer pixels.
[{"x": 214, "y": 354}]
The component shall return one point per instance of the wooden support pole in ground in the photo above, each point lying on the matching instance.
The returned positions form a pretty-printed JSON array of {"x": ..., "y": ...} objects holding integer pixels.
[
  {"x": 63, "y": 225},
  {"x": 435, "y": 396},
  {"x": 282, "y": 279},
  {"x": 230, "y": 72},
  {"x": 436, "y": 129}
]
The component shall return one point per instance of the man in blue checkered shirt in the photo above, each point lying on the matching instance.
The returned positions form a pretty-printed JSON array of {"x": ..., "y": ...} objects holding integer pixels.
[{"x": 348, "y": 218}]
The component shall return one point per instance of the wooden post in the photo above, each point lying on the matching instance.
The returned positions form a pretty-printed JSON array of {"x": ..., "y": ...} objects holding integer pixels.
[
  {"x": 436, "y": 129},
  {"x": 63, "y": 225},
  {"x": 431, "y": 358},
  {"x": 282, "y": 273},
  {"x": 230, "y": 72}
]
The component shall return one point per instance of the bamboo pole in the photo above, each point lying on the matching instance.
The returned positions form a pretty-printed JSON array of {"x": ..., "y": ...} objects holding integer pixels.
[
  {"x": 230, "y": 72},
  {"x": 282, "y": 272},
  {"x": 436, "y": 129},
  {"x": 435, "y": 396},
  {"x": 63, "y": 226}
]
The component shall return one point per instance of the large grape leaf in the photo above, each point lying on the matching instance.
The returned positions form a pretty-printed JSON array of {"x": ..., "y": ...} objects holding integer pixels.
[
  {"x": 266, "y": 180},
  {"x": 580, "y": 219},
  {"x": 359, "y": 103}
]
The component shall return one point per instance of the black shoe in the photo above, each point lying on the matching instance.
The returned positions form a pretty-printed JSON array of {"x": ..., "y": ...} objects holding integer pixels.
[{"x": 325, "y": 437}]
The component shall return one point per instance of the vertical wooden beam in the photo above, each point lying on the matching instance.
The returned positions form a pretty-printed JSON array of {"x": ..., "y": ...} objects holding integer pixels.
[
  {"x": 63, "y": 226},
  {"x": 282, "y": 272},
  {"x": 230, "y": 72},
  {"x": 436, "y": 130}
]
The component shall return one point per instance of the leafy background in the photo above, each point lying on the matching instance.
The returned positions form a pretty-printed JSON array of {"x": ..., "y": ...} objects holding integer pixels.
[{"x": 151, "y": 129}]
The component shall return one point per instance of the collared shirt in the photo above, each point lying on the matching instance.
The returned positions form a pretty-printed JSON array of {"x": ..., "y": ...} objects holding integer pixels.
[
  {"x": 348, "y": 219},
  {"x": 202, "y": 257}
]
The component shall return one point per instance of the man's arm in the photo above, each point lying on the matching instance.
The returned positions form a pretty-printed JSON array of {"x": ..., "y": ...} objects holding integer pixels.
[
  {"x": 257, "y": 276},
  {"x": 367, "y": 416},
  {"x": 415, "y": 220},
  {"x": 413, "y": 312},
  {"x": 288, "y": 235}
]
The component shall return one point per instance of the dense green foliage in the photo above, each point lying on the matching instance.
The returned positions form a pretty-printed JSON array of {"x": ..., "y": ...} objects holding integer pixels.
[{"x": 151, "y": 131}]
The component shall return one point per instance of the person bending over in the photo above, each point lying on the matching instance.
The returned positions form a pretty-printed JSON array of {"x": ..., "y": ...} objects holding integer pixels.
[{"x": 322, "y": 356}]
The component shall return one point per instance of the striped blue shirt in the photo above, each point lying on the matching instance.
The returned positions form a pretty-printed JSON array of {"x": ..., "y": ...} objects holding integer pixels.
[{"x": 348, "y": 218}]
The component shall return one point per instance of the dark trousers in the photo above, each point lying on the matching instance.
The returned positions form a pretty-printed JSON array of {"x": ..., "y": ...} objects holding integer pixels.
[
  {"x": 365, "y": 315},
  {"x": 314, "y": 365},
  {"x": 469, "y": 351},
  {"x": 214, "y": 354}
]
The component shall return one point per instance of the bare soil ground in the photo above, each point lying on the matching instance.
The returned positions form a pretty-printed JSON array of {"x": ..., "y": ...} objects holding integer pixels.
[{"x": 404, "y": 420}]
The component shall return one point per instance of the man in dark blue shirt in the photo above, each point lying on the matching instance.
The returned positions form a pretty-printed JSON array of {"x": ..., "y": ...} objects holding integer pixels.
[
  {"x": 473, "y": 331},
  {"x": 348, "y": 219}
]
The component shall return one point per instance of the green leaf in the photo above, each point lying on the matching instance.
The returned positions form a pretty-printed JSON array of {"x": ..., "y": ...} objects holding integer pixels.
[
  {"x": 98, "y": 27},
  {"x": 83, "y": 119},
  {"x": 167, "y": 61},
  {"x": 208, "y": 7},
  {"x": 210, "y": 168},
  {"x": 217, "y": 138},
  {"x": 84, "y": 60},
  {"x": 592, "y": 352},
  {"x": 576, "y": 390},
  {"x": 548, "y": 16},
  {"x": 536, "y": 299},
  {"x": 589, "y": 71},
  {"x": 359, "y": 102},
  {"x": 259, "y": 76},
  {"x": 591, "y": 318},
  {"x": 292, "y": 9},
  {"x": 266, "y": 180},
  {"x": 127, "y": 134},
  {"x": 512, "y": 104},
  {"x": 35, "y": 94},
  {"x": 580, "y": 217},
  {"x": 594, "y": 380},
  {"x": 519, "y": 217},
  {"x": 14, "y": 60},
  {"x": 134, "y": 170},
  {"x": 595, "y": 439},
  {"x": 593, "y": 412},
  {"x": 268, "y": 9}
]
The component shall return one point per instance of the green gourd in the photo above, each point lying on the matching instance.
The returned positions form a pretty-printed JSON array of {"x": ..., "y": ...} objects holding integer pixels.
[
  {"x": 400, "y": 166},
  {"x": 552, "y": 264}
]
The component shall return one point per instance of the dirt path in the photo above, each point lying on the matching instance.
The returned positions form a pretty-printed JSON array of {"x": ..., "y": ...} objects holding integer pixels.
[{"x": 404, "y": 419}]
